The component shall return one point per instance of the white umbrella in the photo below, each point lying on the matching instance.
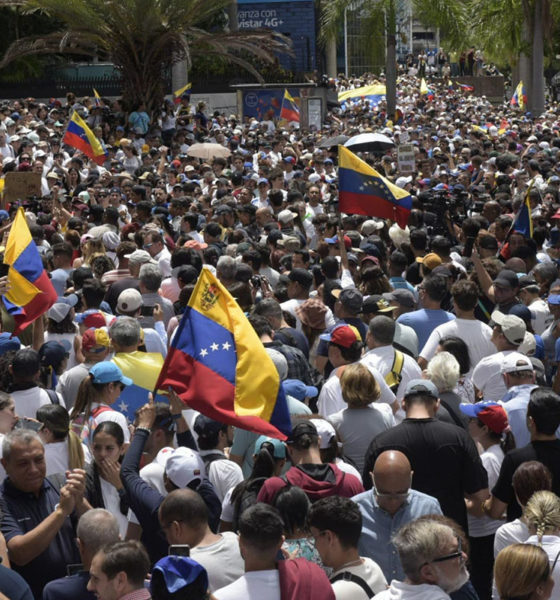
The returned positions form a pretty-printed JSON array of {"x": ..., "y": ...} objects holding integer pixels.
[
  {"x": 208, "y": 150},
  {"x": 370, "y": 142}
]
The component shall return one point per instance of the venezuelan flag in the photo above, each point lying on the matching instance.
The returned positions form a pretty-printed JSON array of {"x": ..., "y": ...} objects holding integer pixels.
[
  {"x": 218, "y": 365},
  {"x": 466, "y": 88},
  {"x": 178, "y": 93},
  {"x": 80, "y": 136},
  {"x": 523, "y": 221},
  {"x": 449, "y": 84},
  {"x": 519, "y": 97},
  {"x": 363, "y": 191},
  {"x": 97, "y": 97},
  {"x": 374, "y": 93},
  {"x": 289, "y": 110},
  {"x": 31, "y": 291},
  {"x": 144, "y": 369},
  {"x": 504, "y": 126}
]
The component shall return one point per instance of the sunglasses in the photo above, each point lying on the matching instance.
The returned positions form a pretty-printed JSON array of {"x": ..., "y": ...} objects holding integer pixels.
[{"x": 452, "y": 556}]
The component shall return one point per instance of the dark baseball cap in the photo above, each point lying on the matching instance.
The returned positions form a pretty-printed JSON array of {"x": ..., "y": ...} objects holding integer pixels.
[
  {"x": 350, "y": 298},
  {"x": 506, "y": 278},
  {"x": 402, "y": 296},
  {"x": 301, "y": 429}
]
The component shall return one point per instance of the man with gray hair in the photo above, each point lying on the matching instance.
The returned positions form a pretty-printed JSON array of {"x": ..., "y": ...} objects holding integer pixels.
[
  {"x": 396, "y": 367},
  {"x": 150, "y": 281},
  {"x": 96, "y": 528},
  {"x": 39, "y": 513},
  {"x": 226, "y": 270},
  {"x": 433, "y": 561}
]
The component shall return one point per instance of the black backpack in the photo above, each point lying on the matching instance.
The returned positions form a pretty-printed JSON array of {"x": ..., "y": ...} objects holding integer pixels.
[
  {"x": 246, "y": 498},
  {"x": 208, "y": 459}
]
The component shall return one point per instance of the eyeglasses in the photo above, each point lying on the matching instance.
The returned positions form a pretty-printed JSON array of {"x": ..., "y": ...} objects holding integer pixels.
[
  {"x": 452, "y": 556},
  {"x": 146, "y": 246}
]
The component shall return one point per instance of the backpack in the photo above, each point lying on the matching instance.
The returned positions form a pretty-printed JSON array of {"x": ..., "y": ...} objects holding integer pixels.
[
  {"x": 82, "y": 428},
  {"x": 394, "y": 377},
  {"x": 347, "y": 576},
  {"x": 246, "y": 499}
]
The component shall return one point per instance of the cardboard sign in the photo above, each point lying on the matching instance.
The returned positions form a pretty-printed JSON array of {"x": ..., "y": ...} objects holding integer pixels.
[
  {"x": 20, "y": 186},
  {"x": 406, "y": 158}
]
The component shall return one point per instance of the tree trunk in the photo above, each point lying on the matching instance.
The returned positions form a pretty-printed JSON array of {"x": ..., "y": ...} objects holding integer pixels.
[
  {"x": 331, "y": 57},
  {"x": 536, "y": 90},
  {"x": 391, "y": 61},
  {"x": 232, "y": 16}
]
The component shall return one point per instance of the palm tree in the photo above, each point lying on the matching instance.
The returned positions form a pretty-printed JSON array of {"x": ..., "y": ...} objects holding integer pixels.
[
  {"x": 449, "y": 15},
  {"x": 517, "y": 33},
  {"x": 144, "y": 38}
]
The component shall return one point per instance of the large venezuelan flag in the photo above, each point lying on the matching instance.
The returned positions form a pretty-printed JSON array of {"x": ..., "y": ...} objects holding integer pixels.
[
  {"x": 218, "y": 365},
  {"x": 374, "y": 93},
  {"x": 80, "y": 136},
  {"x": 31, "y": 291},
  {"x": 144, "y": 369},
  {"x": 289, "y": 109},
  {"x": 363, "y": 191}
]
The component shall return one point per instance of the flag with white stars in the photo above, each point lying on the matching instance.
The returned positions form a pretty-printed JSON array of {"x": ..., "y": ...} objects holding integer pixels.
[
  {"x": 364, "y": 191},
  {"x": 218, "y": 365}
]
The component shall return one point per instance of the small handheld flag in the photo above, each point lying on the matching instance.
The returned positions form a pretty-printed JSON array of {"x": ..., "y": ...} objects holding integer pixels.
[
  {"x": 519, "y": 97},
  {"x": 218, "y": 365},
  {"x": 97, "y": 97},
  {"x": 289, "y": 110},
  {"x": 466, "y": 88},
  {"x": 80, "y": 136},
  {"x": 363, "y": 191},
  {"x": 425, "y": 90},
  {"x": 178, "y": 93},
  {"x": 523, "y": 221},
  {"x": 31, "y": 291}
]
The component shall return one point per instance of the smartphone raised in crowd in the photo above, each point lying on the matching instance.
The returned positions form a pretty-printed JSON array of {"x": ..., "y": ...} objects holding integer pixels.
[{"x": 147, "y": 311}]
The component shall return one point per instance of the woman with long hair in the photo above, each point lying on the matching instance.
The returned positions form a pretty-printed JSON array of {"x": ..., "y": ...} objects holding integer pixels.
[
  {"x": 104, "y": 488},
  {"x": 522, "y": 571},
  {"x": 542, "y": 516},
  {"x": 90, "y": 248},
  {"x": 63, "y": 449},
  {"x": 97, "y": 392}
]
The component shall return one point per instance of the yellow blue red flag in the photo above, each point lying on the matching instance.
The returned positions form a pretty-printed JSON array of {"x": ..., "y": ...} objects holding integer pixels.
[
  {"x": 374, "y": 94},
  {"x": 80, "y": 136},
  {"x": 289, "y": 109},
  {"x": 97, "y": 97},
  {"x": 364, "y": 191},
  {"x": 218, "y": 365},
  {"x": 425, "y": 90},
  {"x": 178, "y": 93},
  {"x": 144, "y": 369},
  {"x": 31, "y": 291},
  {"x": 519, "y": 97}
]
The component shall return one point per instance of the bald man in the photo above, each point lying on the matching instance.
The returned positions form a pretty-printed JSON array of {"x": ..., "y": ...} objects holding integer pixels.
[{"x": 387, "y": 507}]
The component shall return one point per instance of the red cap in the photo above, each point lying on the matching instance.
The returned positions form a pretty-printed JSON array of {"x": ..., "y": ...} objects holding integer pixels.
[
  {"x": 343, "y": 335},
  {"x": 495, "y": 418},
  {"x": 556, "y": 215}
]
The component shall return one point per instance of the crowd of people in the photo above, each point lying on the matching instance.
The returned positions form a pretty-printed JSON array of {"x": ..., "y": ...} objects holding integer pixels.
[{"x": 420, "y": 365}]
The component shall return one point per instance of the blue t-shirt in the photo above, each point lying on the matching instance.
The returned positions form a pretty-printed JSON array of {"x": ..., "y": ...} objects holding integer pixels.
[{"x": 424, "y": 321}]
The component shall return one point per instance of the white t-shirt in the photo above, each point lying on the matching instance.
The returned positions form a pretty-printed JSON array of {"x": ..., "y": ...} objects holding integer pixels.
[
  {"x": 28, "y": 401},
  {"x": 487, "y": 376},
  {"x": 515, "y": 532},
  {"x": 112, "y": 503},
  {"x": 222, "y": 560},
  {"x": 474, "y": 333},
  {"x": 254, "y": 585},
  {"x": 330, "y": 399},
  {"x": 382, "y": 359},
  {"x": 369, "y": 571},
  {"x": 223, "y": 474},
  {"x": 551, "y": 545},
  {"x": 492, "y": 459}
]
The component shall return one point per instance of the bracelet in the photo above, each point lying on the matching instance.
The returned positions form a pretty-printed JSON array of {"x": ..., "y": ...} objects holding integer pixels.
[
  {"x": 177, "y": 416},
  {"x": 147, "y": 429}
]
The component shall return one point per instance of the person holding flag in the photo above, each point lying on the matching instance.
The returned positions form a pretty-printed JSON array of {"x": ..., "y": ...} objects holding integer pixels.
[{"x": 80, "y": 136}]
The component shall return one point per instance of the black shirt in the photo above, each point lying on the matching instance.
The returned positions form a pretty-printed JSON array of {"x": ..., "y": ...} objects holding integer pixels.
[
  {"x": 443, "y": 457},
  {"x": 22, "y": 512},
  {"x": 113, "y": 293},
  {"x": 546, "y": 452}
]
